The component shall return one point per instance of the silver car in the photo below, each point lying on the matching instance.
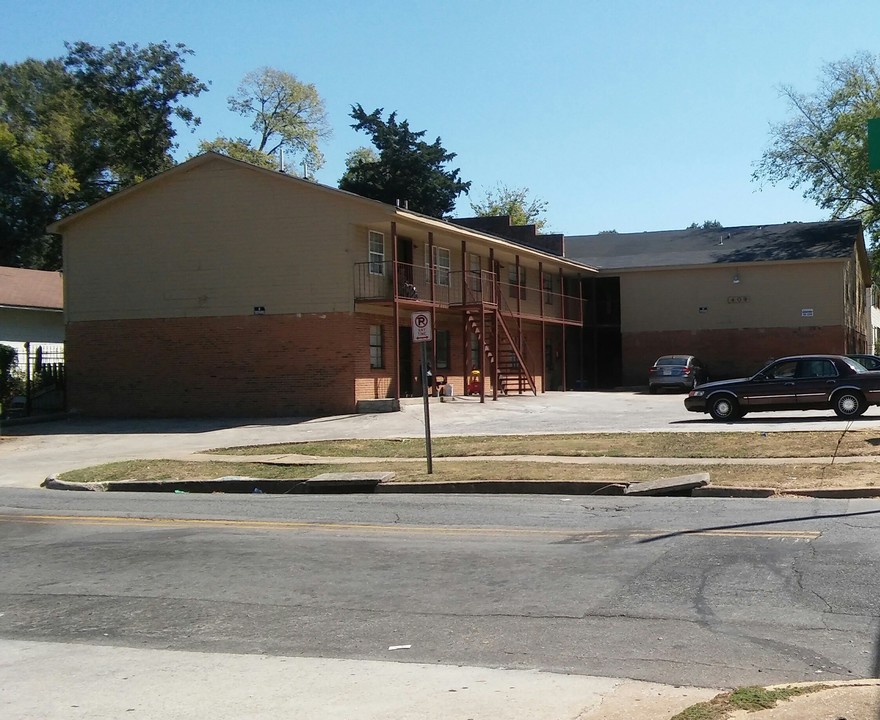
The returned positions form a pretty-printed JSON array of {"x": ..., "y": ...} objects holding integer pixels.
[{"x": 681, "y": 372}]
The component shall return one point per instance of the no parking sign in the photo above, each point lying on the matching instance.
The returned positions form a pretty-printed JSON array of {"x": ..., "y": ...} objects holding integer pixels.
[{"x": 421, "y": 327}]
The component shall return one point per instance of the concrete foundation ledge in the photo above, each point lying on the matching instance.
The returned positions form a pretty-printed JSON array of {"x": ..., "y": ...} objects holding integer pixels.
[{"x": 377, "y": 406}]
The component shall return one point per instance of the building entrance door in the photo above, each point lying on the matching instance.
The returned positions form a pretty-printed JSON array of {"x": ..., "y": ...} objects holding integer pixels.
[{"x": 404, "y": 362}]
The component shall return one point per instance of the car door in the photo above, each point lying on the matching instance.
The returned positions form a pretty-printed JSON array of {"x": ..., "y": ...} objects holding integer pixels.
[
  {"x": 816, "y": 378},
  {"x": 772, "y": 388}
]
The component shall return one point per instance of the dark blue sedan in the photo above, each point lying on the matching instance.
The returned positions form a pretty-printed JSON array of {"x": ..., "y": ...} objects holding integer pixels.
[{"x": 800, "y": 382}]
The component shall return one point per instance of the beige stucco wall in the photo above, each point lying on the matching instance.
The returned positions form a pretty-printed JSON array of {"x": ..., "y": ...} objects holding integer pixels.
[
  {"x": 221, "y": 238},
  {"x": 216, "y": 241},
  {"x": 707, "y": 298}
]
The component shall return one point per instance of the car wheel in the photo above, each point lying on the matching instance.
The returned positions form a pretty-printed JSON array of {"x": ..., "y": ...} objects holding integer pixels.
[
  {"x": 849, "y": 404},
  {"x": 723, "y": 407},
  {"x": 652, "y": 389}
]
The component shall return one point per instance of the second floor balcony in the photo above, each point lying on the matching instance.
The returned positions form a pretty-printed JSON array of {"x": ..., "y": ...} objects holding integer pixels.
[{"x": 418, "y": 285}]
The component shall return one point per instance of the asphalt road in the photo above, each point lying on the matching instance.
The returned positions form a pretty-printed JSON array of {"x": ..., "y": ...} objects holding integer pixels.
[
  {"x": 705, "y": 592},
  {"x": 30, "y": 453}
]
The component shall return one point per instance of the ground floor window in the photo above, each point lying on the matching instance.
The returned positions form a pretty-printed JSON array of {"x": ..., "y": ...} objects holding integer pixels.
[
  {"x": 476, "y": 355},
  {"x": 442, "y": 349},
  {"x": 376, "y": 347}
]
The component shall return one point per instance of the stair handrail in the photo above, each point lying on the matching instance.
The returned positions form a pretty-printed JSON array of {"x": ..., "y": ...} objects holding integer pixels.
[{"x": 520, "y": 353}]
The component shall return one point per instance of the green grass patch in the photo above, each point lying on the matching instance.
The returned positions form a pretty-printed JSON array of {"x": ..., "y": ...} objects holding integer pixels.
[{"x": 750, "y": 699}]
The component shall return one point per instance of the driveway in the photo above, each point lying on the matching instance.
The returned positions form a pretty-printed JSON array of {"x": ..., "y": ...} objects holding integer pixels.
[{"x": 30, "y": 453}]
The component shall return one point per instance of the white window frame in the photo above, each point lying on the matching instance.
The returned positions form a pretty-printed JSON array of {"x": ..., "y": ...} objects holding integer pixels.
[
  {"x": 375, "y": 258},
  {"x": 442, "y": 265}
]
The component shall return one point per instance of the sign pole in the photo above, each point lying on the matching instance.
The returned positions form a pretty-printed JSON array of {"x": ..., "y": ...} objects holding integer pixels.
[
  {"x": 422, "y": 333},
  {"x": 425, "y": 401}
]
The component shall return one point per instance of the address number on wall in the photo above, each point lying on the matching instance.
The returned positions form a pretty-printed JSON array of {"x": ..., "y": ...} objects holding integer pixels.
[{"x": 737, "y": 299}]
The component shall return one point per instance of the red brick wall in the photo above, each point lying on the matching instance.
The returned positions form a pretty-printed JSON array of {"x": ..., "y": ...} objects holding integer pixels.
[
  {"x": 257, "y": 366},
  {"x": 250, "y": 366},
  {"x": 728, "y": 353}
]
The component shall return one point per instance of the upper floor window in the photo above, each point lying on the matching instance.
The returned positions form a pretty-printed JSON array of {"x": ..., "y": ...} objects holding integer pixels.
[
  {"x": 377, "y": 253},
  {"x": 442, "y": 266},
  {"x": 548, "y": 289},
  {"x": 517, "y": 281},
  {"x": 475, "y": 266}
]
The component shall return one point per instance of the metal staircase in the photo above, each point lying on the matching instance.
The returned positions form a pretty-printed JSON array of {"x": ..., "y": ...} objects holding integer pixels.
[{"x": 505, "y": 358}]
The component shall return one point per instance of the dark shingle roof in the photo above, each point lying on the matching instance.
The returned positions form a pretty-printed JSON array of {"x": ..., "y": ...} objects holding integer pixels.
[{"x": 754, "y": 243}]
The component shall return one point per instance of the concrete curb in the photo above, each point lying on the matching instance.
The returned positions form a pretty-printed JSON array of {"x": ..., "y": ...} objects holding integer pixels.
[{"x": 373, "y": 483}]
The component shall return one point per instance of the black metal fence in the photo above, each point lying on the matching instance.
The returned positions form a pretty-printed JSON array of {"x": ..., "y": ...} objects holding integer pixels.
[{"x": 37, "y": 382}]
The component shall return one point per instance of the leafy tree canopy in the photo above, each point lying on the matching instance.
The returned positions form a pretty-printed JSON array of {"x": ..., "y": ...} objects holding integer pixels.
[
  {"x": 515, "y": 202},
  {"x": 706, "y": 225},
  {"x": 76, "y": 128},
  {"x": 131, "y": 95},
  {"x": 240, "y": 149},
  {"x": 822, "y": 147},
  {"x": 406, "y": 168},
  {"x": 287, "y": 116}
]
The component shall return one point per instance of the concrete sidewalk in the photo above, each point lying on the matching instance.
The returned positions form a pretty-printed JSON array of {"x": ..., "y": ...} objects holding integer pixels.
[
  {"x": 42, "y": 679},
  {"x": 54, "y": 680}
]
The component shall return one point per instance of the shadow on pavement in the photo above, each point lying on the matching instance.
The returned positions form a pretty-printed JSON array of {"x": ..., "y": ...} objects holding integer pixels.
[
  {"x": 694, "y": 531},
  {"x": 82, "y": 426}
]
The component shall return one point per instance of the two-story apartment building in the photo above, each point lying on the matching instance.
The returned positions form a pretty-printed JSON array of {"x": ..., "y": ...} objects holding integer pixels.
[{"x": 220, "y": 288}]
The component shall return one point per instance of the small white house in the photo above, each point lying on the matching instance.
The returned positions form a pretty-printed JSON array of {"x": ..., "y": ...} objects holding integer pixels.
[{"x": 32, "y": 313}]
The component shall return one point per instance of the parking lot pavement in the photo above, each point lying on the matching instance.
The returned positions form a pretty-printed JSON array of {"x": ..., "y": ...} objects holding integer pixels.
[{"x": 29, "y": 453}]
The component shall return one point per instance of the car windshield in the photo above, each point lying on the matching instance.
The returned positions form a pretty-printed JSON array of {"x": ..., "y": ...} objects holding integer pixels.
[{"x": 673, "y": 360}]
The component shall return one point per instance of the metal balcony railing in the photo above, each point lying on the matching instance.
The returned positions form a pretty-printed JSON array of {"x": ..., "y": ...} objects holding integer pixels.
[{"x": 375, "y": 281}]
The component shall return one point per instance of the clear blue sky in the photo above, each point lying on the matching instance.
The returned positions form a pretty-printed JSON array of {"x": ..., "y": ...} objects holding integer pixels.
[{"x": 631, "y": 115}]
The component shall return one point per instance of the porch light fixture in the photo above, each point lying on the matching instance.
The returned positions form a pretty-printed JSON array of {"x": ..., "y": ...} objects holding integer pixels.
[{"x": 736, "y": 278}]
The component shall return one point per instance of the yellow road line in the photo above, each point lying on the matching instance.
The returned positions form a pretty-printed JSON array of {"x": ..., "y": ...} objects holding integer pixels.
[{"x": 99, "y": 520}]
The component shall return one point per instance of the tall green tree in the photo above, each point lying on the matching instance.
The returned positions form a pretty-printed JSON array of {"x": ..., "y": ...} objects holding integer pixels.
[
  {"x": 822, "y": 147},
  {"x": 39, "y": 121},
  {"x": 76, "y": 128},
  {"x": 406, "y": 167},
  {"x": 132, "y": 96},
  {"x": 515, "y": 202},
  {"x": 287, "y": 116}
]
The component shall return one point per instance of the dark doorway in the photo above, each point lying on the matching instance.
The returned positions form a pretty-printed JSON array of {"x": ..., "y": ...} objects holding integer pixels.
[
  {"x": 404, "y": 361},
  {"x": 405, "y": 258},
  {"x": 602, "y": 356}
]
